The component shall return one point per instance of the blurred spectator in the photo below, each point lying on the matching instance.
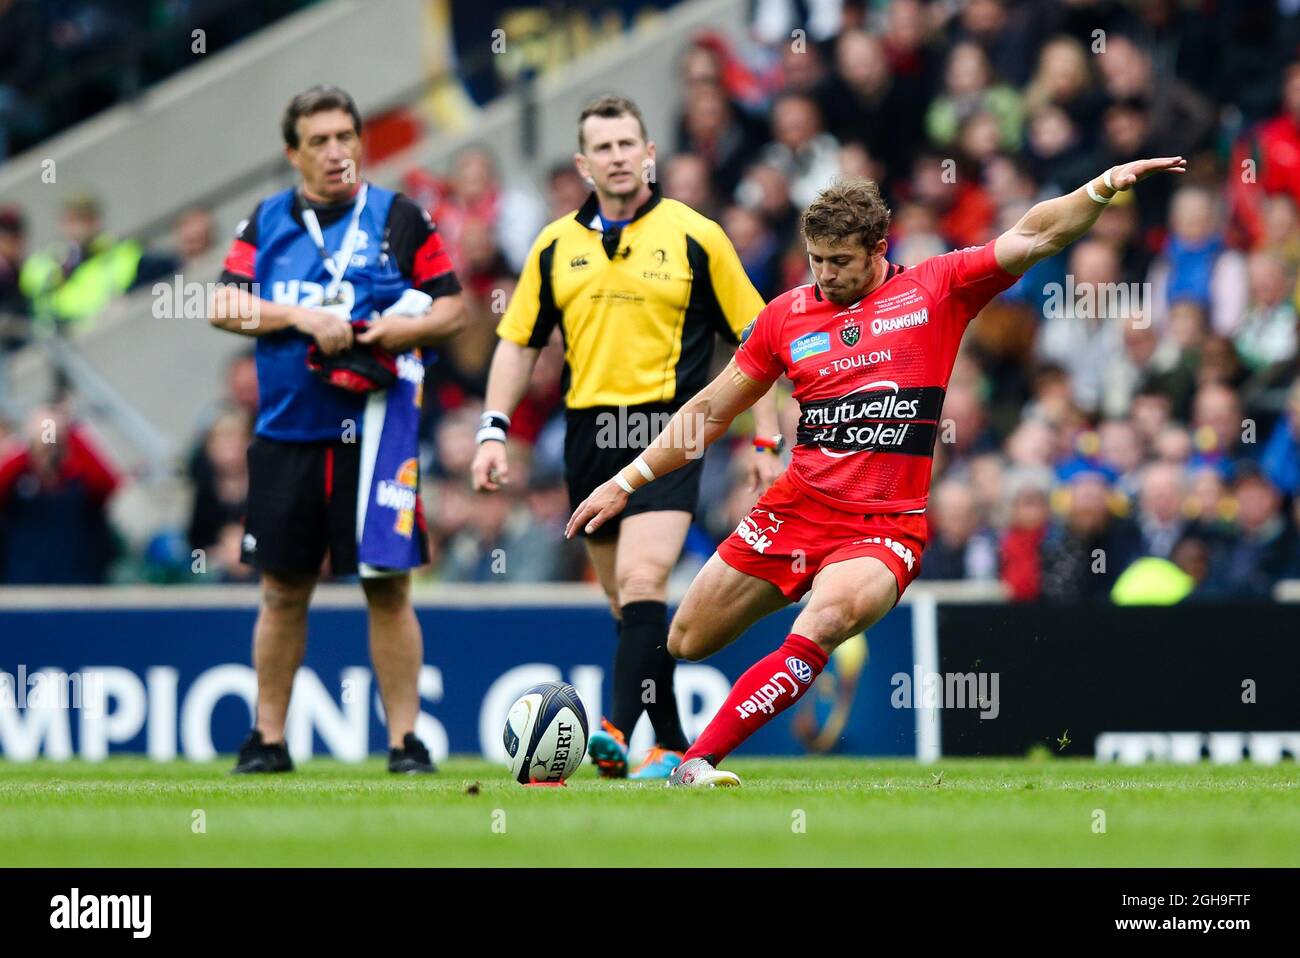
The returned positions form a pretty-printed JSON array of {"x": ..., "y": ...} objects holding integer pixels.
[
  {"x": 221, "y": 481},
  {"x": 1161, "y": 516},
  {"x": 1147, "y": 362},
  {"x": 1281, "y": 233},
  {"x": 1281, "y": 456},
  {"x": 1118, "y": 226},
  {"x": 766, "y": 190},
  {"x": 1005, "y": 36},
  {"x": 969, "y": 88},
  {"x": 1218, "y": 426},
  {"x": 687, "y": 180},
  {"x": 1266, "y": 335},
  {"x": 565, "y": 191},
  {"x": 474, "y": 192},
  {"x": 55, "y": 484},
  {"x": 15, "y": 310},
  {"x": 1249, "y": 565},
  {"x": 1126, "y": 136},
  {"x": 965, "y": 214},
  {"x": 800, "y": 147},
  {"x": 69, "y": 282},
  {"x": 1195, "y": 265},
  {"x": 192, "y": 236},
  {"x": 960, "y": 546},
  {"x": 1064, "y": 82},
  {"x": 20, "y": 68},
  {"x": 1055, "y": 149},
  {"x": 1080, "y": 334},
  {"x": 1085, "y": 552},
  {"x": 1181, "y": 119},
  {"x": 1020, "y": 553},
  {"x": 915, "y": 235},
  {"x": 1120, "y": 450},
  {"x": 711, "y": 128},
  {"x": 1209, "y": 504},
  {"x": 505, "y": 540},
  {"x": 239, "y": 393},
  {"x": 866, "y": 105},
  {"x": 774, "y": 21},
  {"x": 757, "y": 248},
  {"x": 225, "y": 558},
  {"x": 1267, "y": 160}
]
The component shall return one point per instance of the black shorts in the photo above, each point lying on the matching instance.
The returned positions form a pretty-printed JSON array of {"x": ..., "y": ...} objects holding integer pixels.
[
  {"x": 302, "y": 504},
  {"x": 600, "y": 441}
]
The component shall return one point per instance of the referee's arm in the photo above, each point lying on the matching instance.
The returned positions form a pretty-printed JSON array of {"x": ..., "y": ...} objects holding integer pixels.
[{"x": 524, "y": 330}]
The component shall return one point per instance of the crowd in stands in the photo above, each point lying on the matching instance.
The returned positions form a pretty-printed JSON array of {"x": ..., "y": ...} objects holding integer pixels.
[
  {"x": 62, "y": 61},
  {"x": 1123, "y": 423}
]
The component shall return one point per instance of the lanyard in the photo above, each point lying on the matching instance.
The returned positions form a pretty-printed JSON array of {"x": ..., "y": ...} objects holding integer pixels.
[{"x": 338, "y": 264}]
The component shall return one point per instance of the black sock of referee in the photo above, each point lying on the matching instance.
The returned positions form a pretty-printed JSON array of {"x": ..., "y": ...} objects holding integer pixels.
[{"x": 643, "y": 656}]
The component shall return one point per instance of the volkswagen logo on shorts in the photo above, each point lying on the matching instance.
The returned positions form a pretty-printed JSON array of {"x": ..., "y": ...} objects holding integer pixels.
[{"x": 801, "y": 669}]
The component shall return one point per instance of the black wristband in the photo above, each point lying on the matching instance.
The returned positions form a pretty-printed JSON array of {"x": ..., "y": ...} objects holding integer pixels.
[{"x": 493, "y": 425}]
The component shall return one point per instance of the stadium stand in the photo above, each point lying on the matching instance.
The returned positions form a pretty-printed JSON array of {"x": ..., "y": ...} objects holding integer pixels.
[{"x": 1136, "y": 398}]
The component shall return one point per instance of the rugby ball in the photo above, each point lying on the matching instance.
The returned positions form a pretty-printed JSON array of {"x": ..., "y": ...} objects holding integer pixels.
[{"x": 546, "y": 734}]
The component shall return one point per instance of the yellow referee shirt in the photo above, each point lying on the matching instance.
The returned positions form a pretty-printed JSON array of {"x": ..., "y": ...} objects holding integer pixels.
[{"x": 638, "y": 310}]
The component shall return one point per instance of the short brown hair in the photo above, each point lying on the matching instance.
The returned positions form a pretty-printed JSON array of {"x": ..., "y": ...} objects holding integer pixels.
[
  {"x": 848, "y": 207},
  {"x": 610, "y": 106},
  {"x": 316, "y": 100}
]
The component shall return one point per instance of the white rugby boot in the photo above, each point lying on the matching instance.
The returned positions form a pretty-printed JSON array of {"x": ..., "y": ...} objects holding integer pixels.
[{"x": 700, "y": 774}]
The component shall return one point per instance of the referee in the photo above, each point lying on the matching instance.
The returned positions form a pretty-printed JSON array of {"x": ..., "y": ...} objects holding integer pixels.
[
  {"x": 639, "y": 287},
  {"x": 329, "y": 252}
]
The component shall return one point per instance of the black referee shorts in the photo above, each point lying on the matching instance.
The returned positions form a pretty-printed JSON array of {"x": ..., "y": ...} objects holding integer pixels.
[
  {"x": 302, "y": 505},
  {"x": 603, "y": 439}
]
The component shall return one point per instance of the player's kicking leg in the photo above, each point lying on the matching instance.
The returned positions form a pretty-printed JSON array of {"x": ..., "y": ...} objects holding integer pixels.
[
  {"x": 848, "y": 596},
  {"x": 719, "y": 606}
]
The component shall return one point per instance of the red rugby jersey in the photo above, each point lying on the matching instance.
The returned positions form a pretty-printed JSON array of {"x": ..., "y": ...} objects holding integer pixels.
[{"x": 870, "y": 378}]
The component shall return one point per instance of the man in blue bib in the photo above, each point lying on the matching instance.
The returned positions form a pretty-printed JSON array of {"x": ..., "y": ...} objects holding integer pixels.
[{"x": 341, "y": 283}]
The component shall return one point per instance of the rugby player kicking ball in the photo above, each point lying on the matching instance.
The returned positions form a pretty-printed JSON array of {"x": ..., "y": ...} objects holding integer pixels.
[{"x": 869, "y": 348}]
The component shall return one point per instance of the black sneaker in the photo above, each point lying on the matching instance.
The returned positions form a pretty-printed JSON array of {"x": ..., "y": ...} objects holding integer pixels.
[
  {"x": 411, "y": 759},
  {"x": 256, "y": 755}
]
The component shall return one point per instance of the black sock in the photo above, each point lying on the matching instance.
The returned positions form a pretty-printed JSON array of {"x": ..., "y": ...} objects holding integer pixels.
[{"x": 643, "y": 657}]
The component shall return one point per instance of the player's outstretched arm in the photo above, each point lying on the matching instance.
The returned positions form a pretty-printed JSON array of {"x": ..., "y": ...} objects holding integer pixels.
[
  {"x": 1052, "y": 225},
  {"x": 692, "y": 429}
]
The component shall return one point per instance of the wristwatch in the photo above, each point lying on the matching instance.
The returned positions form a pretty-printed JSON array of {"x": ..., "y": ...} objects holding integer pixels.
[{"x": 773, "y": 444}]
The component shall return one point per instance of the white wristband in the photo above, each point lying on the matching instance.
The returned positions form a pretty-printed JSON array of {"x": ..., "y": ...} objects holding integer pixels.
[
  {"x": 1105, "y": 178},
  {"x": 1097, "y": 197},
  {"x": 644, "y": 468},
  {"x": 488, "y": 433},
  {"x": 623, "y": 483}
]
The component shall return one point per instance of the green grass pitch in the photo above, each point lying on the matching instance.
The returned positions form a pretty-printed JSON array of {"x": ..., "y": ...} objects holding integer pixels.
[{"x": 792, "y": 812}]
